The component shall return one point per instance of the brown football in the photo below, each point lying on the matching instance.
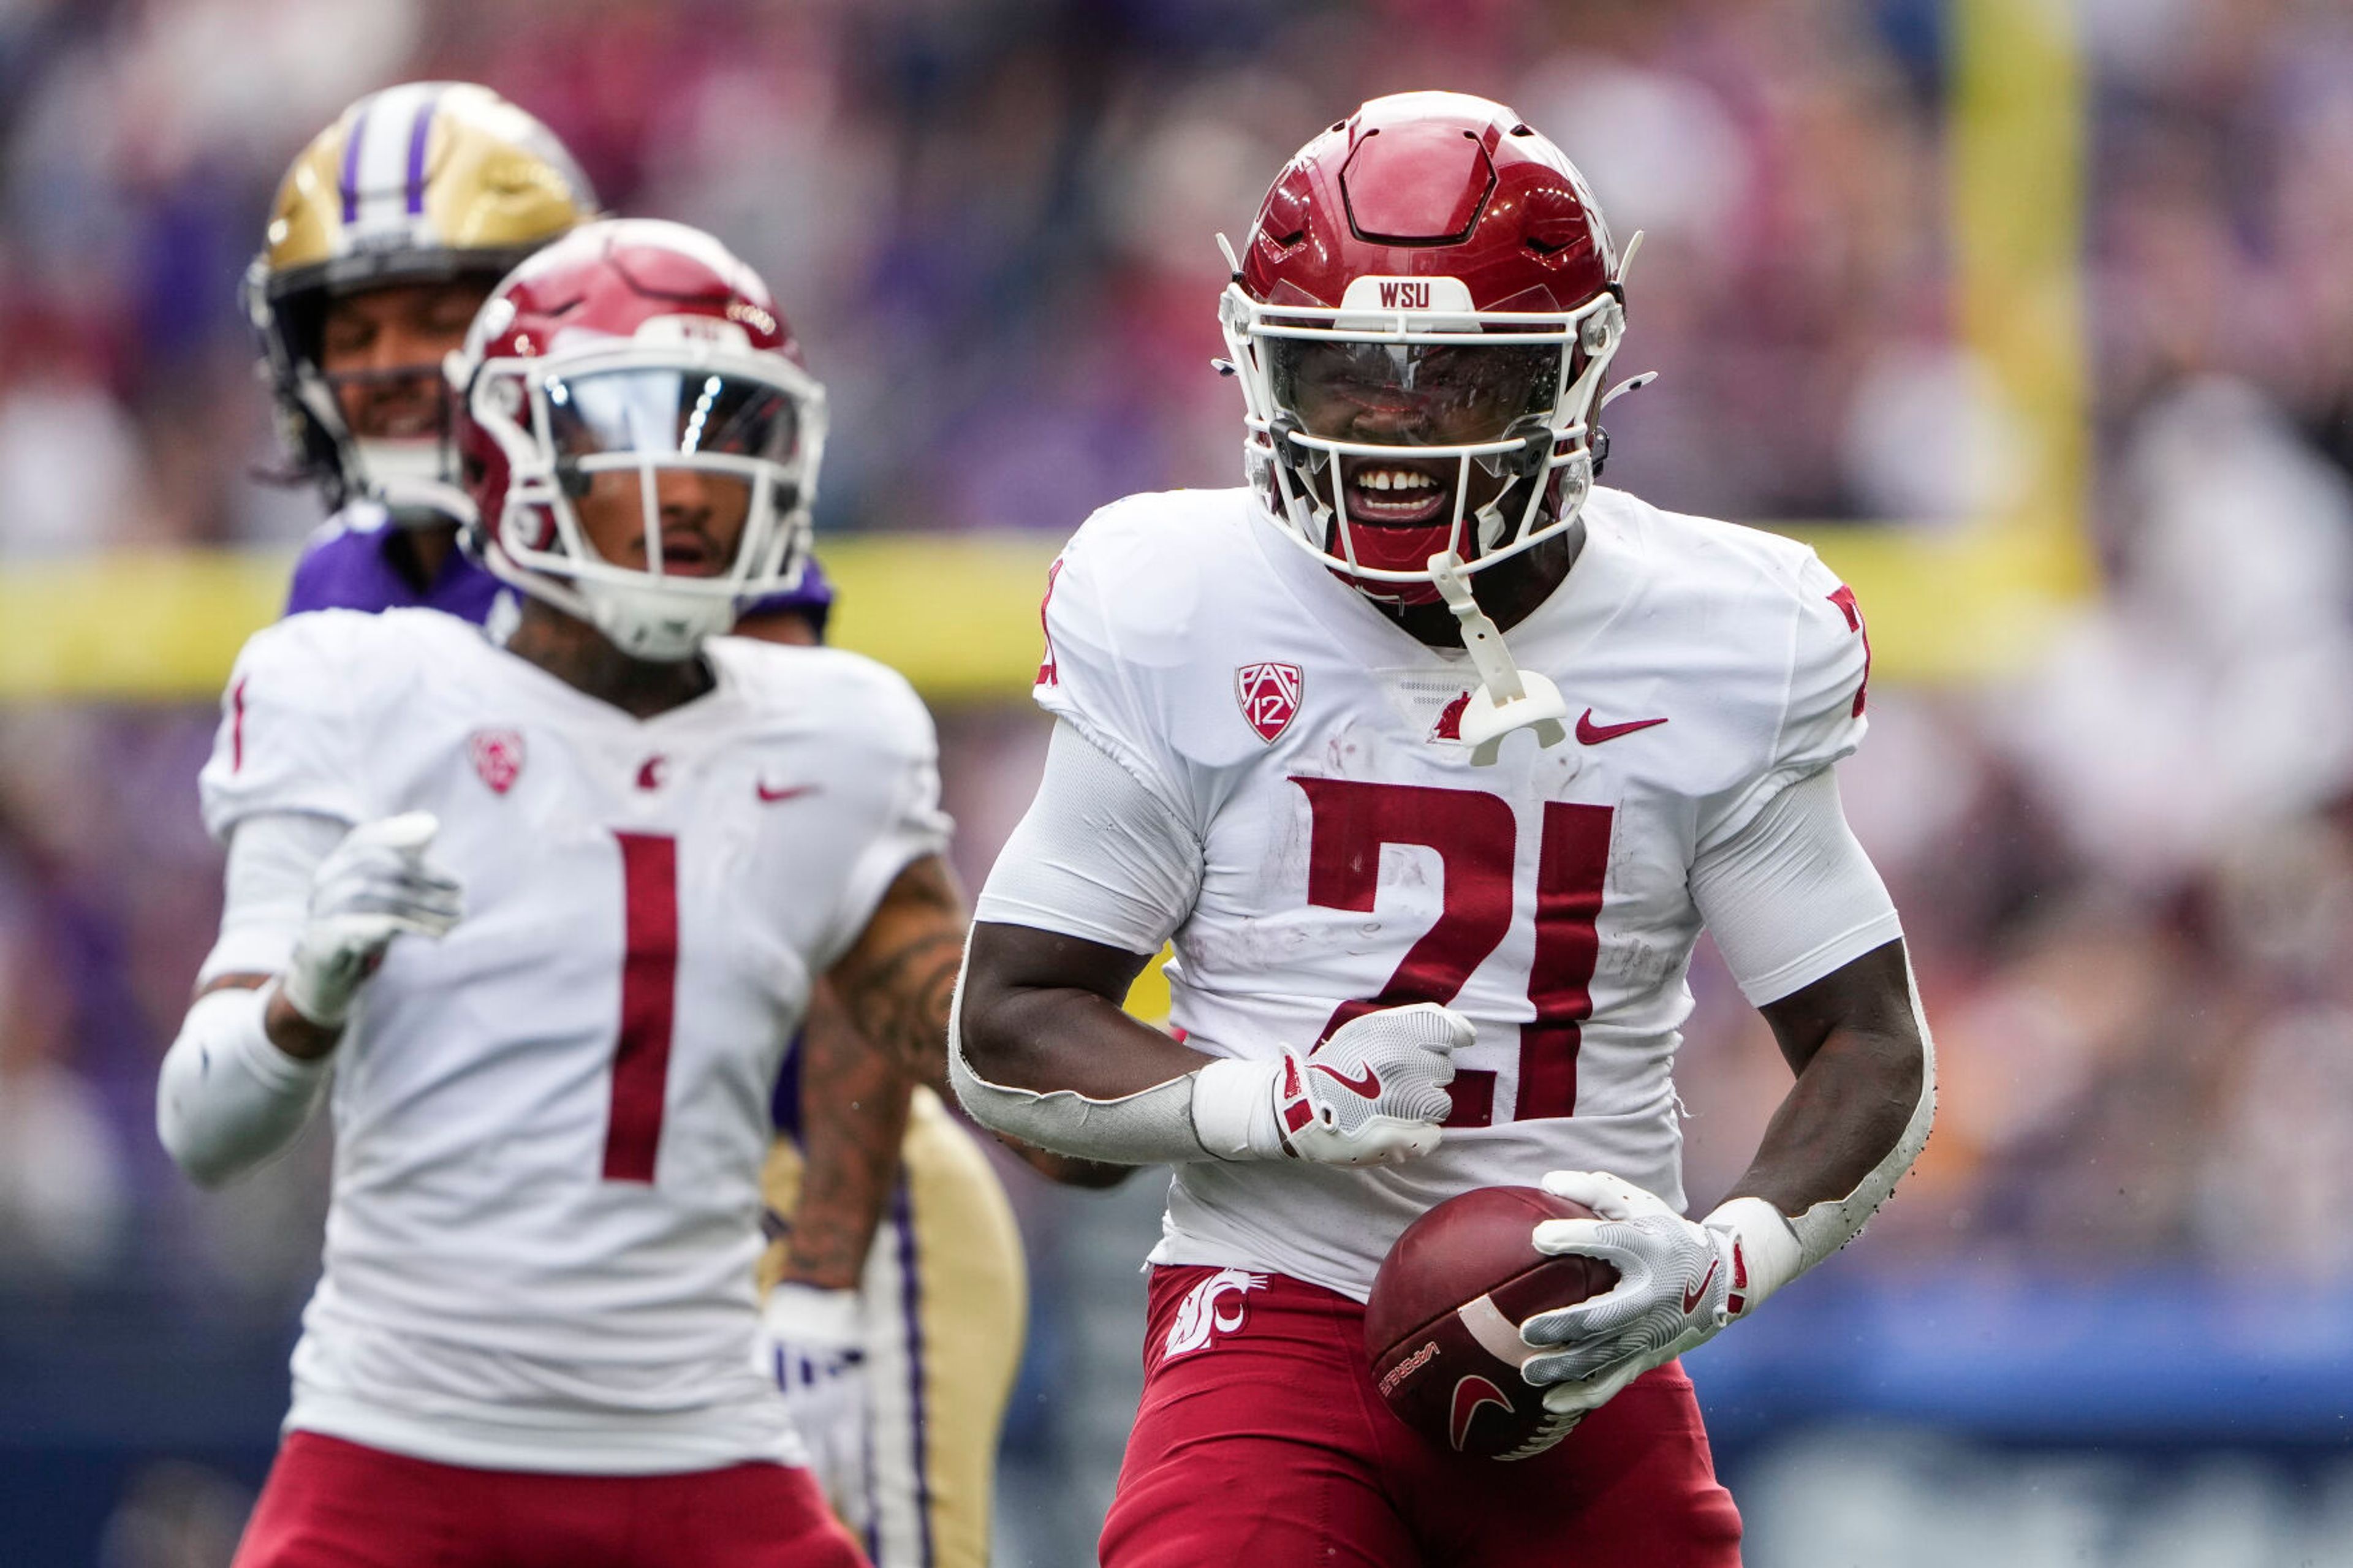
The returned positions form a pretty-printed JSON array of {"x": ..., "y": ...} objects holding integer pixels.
[{"x": 1443, "y": 1323}]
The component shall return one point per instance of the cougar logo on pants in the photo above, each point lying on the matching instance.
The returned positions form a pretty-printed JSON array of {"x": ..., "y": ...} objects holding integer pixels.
[{"x": 1212, "y": 1307}]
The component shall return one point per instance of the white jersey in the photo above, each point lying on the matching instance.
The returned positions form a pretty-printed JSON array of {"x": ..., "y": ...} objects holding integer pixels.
[
  {"x": 550, "y": 1123},
  {"x": 1353, "y": 855}
]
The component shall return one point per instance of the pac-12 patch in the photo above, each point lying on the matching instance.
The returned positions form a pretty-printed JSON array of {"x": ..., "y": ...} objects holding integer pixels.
[{"x": 1268, "y": 694}]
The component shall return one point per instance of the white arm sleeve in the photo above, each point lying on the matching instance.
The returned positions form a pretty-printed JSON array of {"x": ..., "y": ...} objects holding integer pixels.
[
  {"x": 1098, "y": 855},
  {"x": 1792, "y": 896},
  {"x": 1222, "y": 1110},
  {"x": 227, "y": 1099},
  {"x": 1101, "y": 857},
  {"x": 1153, "y": 1126},
  {"x": 271, "y": 860}
]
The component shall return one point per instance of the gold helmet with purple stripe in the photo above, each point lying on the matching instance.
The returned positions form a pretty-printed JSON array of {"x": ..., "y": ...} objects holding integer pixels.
[{"x": 421, "y": 184}]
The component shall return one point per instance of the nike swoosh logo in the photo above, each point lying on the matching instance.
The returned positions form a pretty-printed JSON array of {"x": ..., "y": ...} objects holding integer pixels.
[
  {"x": 1590, "y": 734},
  {"x": 1471, "y": 1395},
  {"x": 1369, "y": 1086},
  {"x": 790, "y": 792},
  {"x": 1692, "y": 1296}
]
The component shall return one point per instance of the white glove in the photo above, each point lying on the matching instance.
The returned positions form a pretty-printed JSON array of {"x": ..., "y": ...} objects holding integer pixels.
[
  {"x": 371, "y": 887},
  {"x": 1679, "y": 1282},
  {"x": 812, "y": 1343},
  {"x": 1373, "y": 1094}
]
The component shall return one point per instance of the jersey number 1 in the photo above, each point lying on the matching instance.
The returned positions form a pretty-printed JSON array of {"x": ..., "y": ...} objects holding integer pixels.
[
  {"x": 1475, "y": 837},
  {"x": 649, "y": 1002}
]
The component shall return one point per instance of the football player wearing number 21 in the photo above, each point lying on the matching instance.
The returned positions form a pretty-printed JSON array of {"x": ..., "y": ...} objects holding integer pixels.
[
  {"x": 1432, "y": 756},
  {"x": 547, "y": 913}
]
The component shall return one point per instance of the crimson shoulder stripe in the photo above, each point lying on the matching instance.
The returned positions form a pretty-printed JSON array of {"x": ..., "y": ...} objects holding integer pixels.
[{"x": 237, "y": 726}]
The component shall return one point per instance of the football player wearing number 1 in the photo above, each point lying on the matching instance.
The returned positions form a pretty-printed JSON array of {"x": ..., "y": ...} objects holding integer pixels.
[
  {"x": 1432, "y": 757},
  {"x": 548, "y": 912},
  {"x": 388, "y": 231}
]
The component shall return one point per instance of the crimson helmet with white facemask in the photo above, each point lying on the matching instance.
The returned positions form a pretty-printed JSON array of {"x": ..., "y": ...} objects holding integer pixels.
[
  {"x": 1422, "y": 318},
  {"x": 637, "y": 347}
]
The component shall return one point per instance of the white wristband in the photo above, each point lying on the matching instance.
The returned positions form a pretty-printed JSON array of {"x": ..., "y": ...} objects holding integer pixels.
[
  {"x": 1768, "y": 1252},
  {"x": 808, "y": 1314},
  {"x": 1233, "y": 1109}
]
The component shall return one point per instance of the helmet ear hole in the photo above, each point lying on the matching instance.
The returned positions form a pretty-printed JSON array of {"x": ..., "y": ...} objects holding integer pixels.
[
  {"x": 1311, "y": 458},
  {"x": 1536, "y": 442}
]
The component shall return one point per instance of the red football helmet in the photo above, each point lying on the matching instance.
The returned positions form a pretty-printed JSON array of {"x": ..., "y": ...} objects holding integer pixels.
[
  {"x": 1421, "y": 319},
  {"x": 640, "y": 347}
]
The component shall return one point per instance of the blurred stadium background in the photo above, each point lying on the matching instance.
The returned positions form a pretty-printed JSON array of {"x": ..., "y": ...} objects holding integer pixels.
[{"x": 2035, "y": 316}]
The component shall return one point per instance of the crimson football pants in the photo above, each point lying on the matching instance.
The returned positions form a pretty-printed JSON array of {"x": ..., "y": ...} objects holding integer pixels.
[
  {"x": 1262, "y": 1441},
  {"x": 332, "y": 1504}
]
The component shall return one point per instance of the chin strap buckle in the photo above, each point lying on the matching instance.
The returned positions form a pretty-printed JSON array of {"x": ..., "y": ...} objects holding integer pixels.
[{"x": 1507, "y": 697}]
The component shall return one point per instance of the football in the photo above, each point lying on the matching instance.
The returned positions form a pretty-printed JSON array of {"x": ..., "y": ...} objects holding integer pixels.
[{"x": 1443, "y": 1323}]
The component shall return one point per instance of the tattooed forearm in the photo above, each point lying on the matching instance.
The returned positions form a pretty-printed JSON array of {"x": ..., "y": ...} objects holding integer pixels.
[
  {"x": 878, "y": 1028},
  {"x": 902, "y": 1005},
  {"x": 853, "y": 1117},
  {"x": 899, "y": 980},
  {"x": 898, "y": 985}
]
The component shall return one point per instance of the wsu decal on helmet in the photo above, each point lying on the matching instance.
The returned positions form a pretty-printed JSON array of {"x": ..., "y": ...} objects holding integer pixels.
[
  {"x": 1268, "y": 694},
  {"x": 1211, "y": 1308}
]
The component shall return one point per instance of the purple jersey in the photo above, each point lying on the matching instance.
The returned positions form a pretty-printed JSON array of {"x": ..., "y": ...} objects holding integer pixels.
[{"x": 347, "y": 565}]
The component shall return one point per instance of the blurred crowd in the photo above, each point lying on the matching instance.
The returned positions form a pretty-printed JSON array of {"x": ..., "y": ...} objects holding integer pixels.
[{"x": 2128, "y": 875}]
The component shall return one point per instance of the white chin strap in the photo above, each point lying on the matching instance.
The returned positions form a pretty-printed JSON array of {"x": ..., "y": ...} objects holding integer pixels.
[
  {"x": 643, "y": 622},
  {"x": 648, "y": 624},
  {"x": 408, "y": 479},
  {"x": 1508, "y": 697}
]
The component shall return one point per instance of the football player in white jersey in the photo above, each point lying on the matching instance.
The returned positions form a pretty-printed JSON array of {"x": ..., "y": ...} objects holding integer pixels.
[
  {"x": 546, "y": 914},
  {"x": 1432, "y": 758},
  {"x": 896, "y": 1353}
]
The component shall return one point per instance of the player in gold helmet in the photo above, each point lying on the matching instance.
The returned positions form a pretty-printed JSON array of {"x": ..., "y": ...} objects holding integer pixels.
[{"x": 387, "y": 232}]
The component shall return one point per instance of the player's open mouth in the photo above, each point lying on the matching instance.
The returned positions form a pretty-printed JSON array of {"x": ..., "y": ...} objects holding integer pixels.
[
  {"x": 1390, "y": 494},
  {"x": 407, "y": 419},
  {"x": 689, "y": 554},
  {"x": 399, "y": 406}
]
